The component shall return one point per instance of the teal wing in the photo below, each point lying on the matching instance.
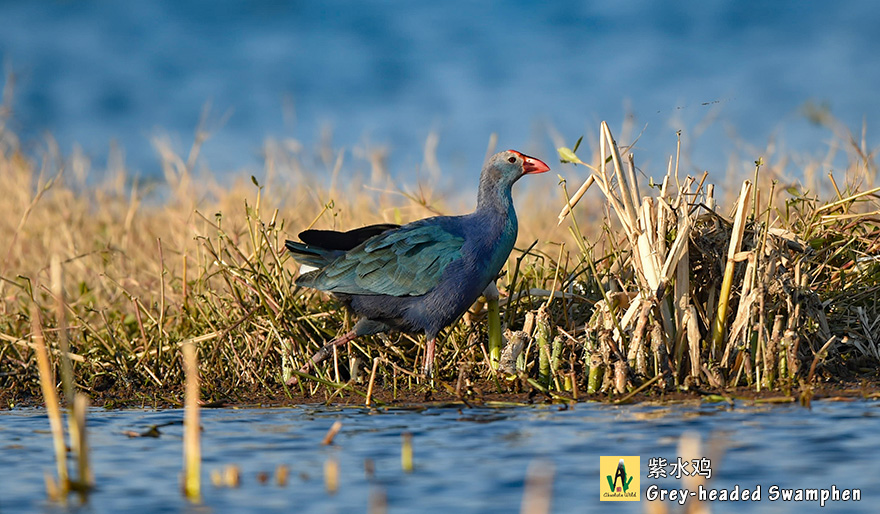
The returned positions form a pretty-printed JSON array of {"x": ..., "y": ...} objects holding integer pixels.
[{"x": 405, "y": 262}]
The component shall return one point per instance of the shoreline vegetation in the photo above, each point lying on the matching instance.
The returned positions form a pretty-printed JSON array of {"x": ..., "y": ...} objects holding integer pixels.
[{"x": 652, "y": 289}]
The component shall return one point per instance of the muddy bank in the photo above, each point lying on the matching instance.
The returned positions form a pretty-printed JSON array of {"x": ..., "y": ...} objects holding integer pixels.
[{"x": 482, "y": 394}]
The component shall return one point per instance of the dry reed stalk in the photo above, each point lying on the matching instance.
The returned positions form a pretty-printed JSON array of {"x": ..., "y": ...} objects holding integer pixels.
[
  {"x": 637, "y": 346},
  {"x": 605, "y": 185},
  {"x": 53, "y": 410},
  {"x": 61, "y": 316},
  {"x": 677, "y": 259},
  {"x": 664, "y": 214},
  {"x": 369, "y": 398},
  {"x": 192, "y": 457},
  {"x": 694, "y": 340},
  {"x": 576, "y": 197},
  {"x": 748, "y": 298},
  {"x": 681, "y": 290},
  {"x": 628, "y": 195},
  {"x": 621, "y": 378},
  {"x": 771, "y": 352},
  {"x": 849, "y": 199},
  {"x": 649, "y": 265},
  {"x": 736, "y": 238},
  {"x": 30, "y": 344}
]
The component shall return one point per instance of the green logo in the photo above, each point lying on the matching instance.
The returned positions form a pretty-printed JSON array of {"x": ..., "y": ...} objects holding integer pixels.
[{"x": 620, "y": 474}]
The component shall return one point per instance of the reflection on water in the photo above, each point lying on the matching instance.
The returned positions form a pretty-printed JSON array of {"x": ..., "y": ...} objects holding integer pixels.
[{"x": 470, "y": 460}]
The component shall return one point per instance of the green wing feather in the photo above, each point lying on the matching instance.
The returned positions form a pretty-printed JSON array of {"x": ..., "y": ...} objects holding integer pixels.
[{"x": 405, "y": 262}]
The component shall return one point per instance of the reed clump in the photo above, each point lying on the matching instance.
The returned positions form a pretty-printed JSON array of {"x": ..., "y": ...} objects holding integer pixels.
[
  {"x": 629, "y": 296},
  {"x": 762, "y": 294}
]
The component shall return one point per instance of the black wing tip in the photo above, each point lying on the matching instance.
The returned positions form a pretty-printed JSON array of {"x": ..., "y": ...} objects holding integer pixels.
[
  {"x": 300, "y": 248},
  {"x": 343, "y": 241}
]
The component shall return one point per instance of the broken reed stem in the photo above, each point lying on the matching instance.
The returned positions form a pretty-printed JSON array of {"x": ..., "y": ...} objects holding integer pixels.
[
  {"x": 736, "y": 238},
  {"x": 192, "y": 459},
  {"x": 575, "y": 198},
  {"x": 85, "y": 479},
  {"x": 626, "y": 193},
  {"x": 331, "y": 433},
  {"x": 406, "y": 452},
  {"x": 369, "y": 398},
  {"x": 820, "y": 356},
  {"x": 53, "y": 410}
]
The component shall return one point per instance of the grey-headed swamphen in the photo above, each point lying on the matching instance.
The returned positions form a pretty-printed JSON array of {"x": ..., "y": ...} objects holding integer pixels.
[{"x": 422, "y": 276}]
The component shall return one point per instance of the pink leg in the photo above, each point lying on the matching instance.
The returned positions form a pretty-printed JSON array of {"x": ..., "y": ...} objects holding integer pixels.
[
  {"x": 322, "y": 354},
  {"x": 429, "y": 357}
]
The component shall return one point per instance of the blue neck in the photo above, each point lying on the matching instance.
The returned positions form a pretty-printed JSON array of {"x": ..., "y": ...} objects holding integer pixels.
[
  {"x": 494, "y": 196},
  {"x": 495, "y": 211}
]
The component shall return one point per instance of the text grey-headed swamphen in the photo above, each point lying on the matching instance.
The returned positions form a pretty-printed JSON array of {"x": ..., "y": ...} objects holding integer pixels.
[{"x": 422, "y": 276}]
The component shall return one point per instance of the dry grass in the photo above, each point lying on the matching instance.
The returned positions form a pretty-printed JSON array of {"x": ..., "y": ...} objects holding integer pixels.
[{"x": 190, "y": 258}]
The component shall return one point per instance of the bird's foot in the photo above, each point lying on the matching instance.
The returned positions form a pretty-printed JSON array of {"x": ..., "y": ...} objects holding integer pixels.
[{"x": 428, "y": 368}]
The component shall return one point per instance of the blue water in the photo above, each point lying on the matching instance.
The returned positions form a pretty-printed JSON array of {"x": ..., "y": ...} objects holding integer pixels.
[
  {"x": 469, "y": 460},
  {"x": 732, "y": 74}
]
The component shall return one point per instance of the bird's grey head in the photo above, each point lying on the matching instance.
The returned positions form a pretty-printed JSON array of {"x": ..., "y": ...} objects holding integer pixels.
[{"x": 510, "y": 165}]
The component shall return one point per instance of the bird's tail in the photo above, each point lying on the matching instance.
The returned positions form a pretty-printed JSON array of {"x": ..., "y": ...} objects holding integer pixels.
[{"x": 321, "y": 247}]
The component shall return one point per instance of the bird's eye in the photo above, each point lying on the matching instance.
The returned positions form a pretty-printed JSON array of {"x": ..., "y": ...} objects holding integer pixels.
[{"x": 511, "y": 160}]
